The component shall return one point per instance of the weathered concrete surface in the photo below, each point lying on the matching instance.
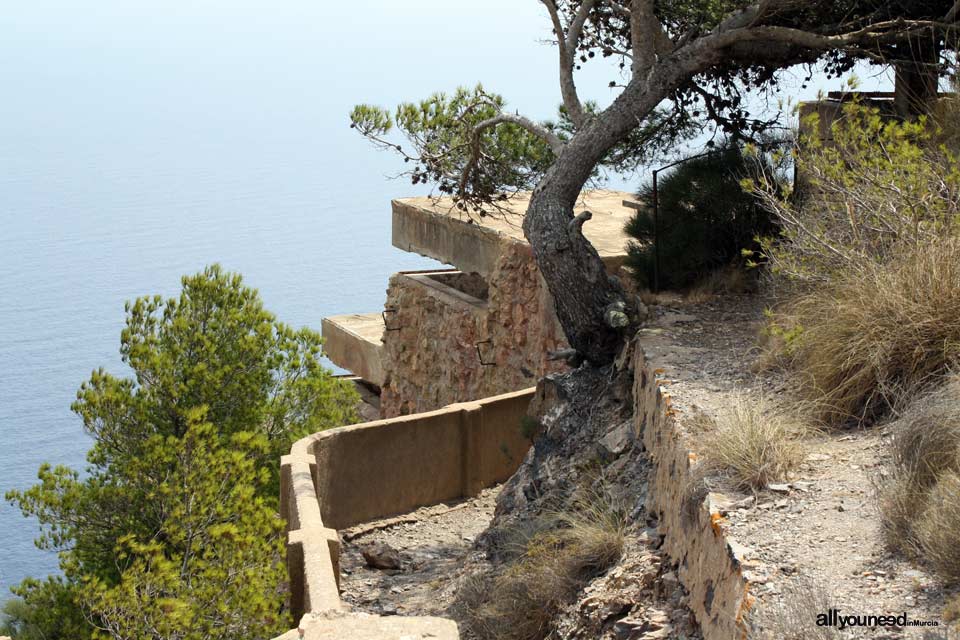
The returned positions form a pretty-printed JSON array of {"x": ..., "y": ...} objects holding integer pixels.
[
  {"x": 710, "y": 563},
  {"x": 354, "y": 342},
  {"x": 356, "y": 473},
  {"x": 362, "y": 626},
  {"x": 393, "y": 466},
  {"x": 433, "y": 227},
  {"x": 432, "y": 360}
]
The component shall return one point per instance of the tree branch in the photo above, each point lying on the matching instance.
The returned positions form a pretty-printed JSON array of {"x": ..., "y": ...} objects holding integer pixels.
[
  {"x": 567, "y": 47},
  {"x": 891, "y": 29},
  {"x": 555, "y": 143},
  {"x": 619, "y": 8},
  {"x": 647, "y": 37},
  {"x": 952, "y": 14}
]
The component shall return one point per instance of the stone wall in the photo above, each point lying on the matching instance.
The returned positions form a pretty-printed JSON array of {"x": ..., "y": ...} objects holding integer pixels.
[
  {"x": 430, "y": 346},
  {"x": 711, "y": 564}
]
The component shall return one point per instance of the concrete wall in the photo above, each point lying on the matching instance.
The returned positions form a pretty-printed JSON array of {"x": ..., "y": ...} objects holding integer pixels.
[
  {"x": 443, "y": 237},
  {"x": 343, "y": 476},
  {"x": 354, "y": 342}
]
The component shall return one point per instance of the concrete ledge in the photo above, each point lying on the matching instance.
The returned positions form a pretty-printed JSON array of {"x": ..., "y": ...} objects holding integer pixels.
[
  {"x": 433, "y": 227},
  {"x": 437, "y": 288},
  {"x": 352, "y": 474},
  {"x": 355, "y": 342},
  {"x": 417, "y": 228},
  {"x": 710, "y": 563}
]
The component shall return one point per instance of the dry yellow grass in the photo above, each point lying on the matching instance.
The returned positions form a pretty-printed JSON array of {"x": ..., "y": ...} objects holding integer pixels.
[
  {"x": 877, "y": 334},
  {"x": 752, "y": 444},
  {"x": 729, "y": 280},
  {"x": 558, "y": 556},
  {"x": 793, "y": 615},
  {"x": 938, "y": 528}
]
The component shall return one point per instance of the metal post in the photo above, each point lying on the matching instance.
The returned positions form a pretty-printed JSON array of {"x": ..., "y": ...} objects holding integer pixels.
[{"x": 656, "y": 236}]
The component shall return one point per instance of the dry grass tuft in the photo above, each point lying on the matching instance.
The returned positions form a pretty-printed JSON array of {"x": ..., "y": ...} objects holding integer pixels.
[
  {"x": 732, "y": 280},
  {"x": 919, "y": 493},
  {"x": 925, "y": 445},
  {"x": 566, "y": 550},
  {"x": 877, "y": 334},
  {"x": 794, "y": 615},
  {"x": 752, "y": 444},
  {"x": 951, "y": 612},
  {"x": 938, "y": 529},
  {"x": 663, "y": 298}
]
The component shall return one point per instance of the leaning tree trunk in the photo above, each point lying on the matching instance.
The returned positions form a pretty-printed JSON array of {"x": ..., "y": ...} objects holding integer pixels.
[{"x": 584, "y": 295}]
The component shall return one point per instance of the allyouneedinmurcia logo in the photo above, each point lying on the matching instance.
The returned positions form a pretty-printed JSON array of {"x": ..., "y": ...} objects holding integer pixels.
[{"x": 834, "y": 618}]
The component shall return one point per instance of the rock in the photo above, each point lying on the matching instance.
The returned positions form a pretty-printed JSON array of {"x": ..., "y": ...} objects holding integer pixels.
[
  {"x": 642, "y": 311},
  {"x": 818, "y": 457},
  {"x": 779, "y": 488},
  {"x": 670, "y": 581},
  {"x": 380, "y": 555},
  {"x": 618, "y": 439}
]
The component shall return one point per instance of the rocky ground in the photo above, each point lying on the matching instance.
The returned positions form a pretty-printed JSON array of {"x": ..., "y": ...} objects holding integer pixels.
[
  {"x": 414, "y": 564},
  {"x": 413, "y": 560}
]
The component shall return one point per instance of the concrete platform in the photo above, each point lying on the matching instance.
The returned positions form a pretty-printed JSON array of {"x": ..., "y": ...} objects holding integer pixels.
[
  {"x": 434, "y": 228},
  {"x": 355, "y": 342}
]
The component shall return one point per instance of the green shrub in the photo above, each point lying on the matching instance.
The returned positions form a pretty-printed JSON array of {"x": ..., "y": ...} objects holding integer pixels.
[
  {"x": 875, "y": 189},
  {"x": 706, "y": 220}
]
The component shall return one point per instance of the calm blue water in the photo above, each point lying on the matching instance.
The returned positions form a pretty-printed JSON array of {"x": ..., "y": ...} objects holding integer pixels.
[{"x": 141, "y": 140}]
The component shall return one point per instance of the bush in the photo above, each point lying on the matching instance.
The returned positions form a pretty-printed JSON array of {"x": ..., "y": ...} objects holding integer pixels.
[
  {"x": 751, "y": 444},
  {"x": 876, "y": 189},
  {"x": 919, "y": 493},
  {"x": 877, "y": 334},
  {"x": 938, "y": 528},
  {"x": 793, "y": 615},
  {"x": 706, "y": 220}
]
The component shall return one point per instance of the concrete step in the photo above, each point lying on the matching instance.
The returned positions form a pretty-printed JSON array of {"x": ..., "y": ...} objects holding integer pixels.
[{"x": 354, "y": 341}]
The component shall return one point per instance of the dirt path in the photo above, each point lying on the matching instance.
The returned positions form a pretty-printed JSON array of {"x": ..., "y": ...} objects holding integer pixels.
[{"x": 433, "y": 544}]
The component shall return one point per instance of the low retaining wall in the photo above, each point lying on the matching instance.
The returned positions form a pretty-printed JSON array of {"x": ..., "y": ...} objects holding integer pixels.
[
  {"x": 344, "y": 476},
  {"x": 710, "y": 564}
]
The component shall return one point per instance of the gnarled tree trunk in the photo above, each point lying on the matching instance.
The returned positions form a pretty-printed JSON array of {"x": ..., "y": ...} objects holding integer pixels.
[{"x": 571, "y": 266}]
